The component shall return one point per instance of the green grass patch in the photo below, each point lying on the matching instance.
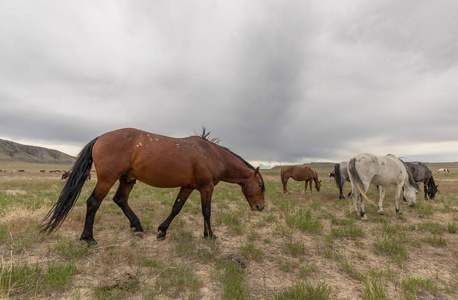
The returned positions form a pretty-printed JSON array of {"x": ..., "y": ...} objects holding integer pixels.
[
  {"x": 433, "y": 227},
  {"x": 304, "y": 220},
  {"x": 410, "y": 287},
  {"x": 305, "y": 291},
  {"x": 293, "y": 247},
  {"x": 178, "y": 282},
  {"x": 231, "y": 276},
  {"x": 250, "y": 251}
]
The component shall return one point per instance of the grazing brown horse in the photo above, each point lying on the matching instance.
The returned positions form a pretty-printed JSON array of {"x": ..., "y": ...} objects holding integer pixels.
[
  {"x": 306, "y": 174},
  {"x": 125, "y": 155}
]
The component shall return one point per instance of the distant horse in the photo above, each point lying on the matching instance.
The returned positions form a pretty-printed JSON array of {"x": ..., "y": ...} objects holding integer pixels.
[
  {"x": 192, "y": 163},
  {"x": 341, "y": 176},
  {"x": 67, "y": 174},
  {"x": 305, "y": 173},
  {"x": 381, "y": 171},
  {"x": 443, "y": 170},
  {"x": 421, "y": 173}
]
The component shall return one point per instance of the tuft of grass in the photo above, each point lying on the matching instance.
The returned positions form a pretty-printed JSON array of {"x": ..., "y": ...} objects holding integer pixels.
[
  {"x": 31, "y": 279},
  {"x": 425, "y": 208},
  {"x": 306, "y": 270},
  {"x": 433, "y": 227},
  {"x": 436, "y": 241},
  {"x": 251, "y": 251},
  {"x": 392, "y": 246},
  {"x": 305, "y": 291},
  {"x": 231, "y": 275},
  {"x": 231, "y": 219},
  {"x": 348, "y": 231},
  {"x": 293, "y": 247},
  {"x": 410, "y": 287},
  {"x": 375, "y": 289},
  {"x": 118, "y": 290},
  {"x": 452, "y": 227},
  {"x": 179, "y": 280},
  {"x": 70, "y": 250},
  {"x": 304, "y": 220}
]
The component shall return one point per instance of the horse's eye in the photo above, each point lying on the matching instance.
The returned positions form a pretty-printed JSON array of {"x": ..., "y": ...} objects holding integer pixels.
[{"x": 260, "y": 185}]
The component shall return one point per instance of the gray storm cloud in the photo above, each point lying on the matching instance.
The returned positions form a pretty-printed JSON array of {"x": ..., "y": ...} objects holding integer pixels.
[{"x": 315, "y": 80}]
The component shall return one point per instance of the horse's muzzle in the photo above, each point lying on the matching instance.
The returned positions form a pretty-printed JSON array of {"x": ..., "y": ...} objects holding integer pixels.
[{"x": 259, "y": 207}]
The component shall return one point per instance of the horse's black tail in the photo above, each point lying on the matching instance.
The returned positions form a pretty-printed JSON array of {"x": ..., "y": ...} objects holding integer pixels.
[
  {"x": 72, "y": 189},
  {"x": 337, "y": 176}
]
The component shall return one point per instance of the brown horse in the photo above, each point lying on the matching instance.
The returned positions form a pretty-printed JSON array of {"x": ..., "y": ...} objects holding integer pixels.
[
  {"x": 192, "y": 163},
  {"x": 67, "y": 174},
  {"x": 306, "y": 174}
]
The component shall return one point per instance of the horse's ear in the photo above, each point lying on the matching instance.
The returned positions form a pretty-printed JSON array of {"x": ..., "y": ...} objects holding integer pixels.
[{"x": 256, "y": 171}]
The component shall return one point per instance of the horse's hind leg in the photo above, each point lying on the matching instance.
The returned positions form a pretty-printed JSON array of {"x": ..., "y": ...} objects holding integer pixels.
[
  {"x": 93, "y": 203},
  {"x": 285, "y": 183},
  {"x": 179, "y": 202},
  {"x": 121, "y": 197},
  {"x": 381, "y": 190},
  {"x": 397, "y": 196}
]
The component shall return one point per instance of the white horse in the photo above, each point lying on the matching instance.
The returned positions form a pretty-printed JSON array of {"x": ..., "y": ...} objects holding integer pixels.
[
  {"x": 381, "y": 171},
  {"x": 443, "y": 170}
]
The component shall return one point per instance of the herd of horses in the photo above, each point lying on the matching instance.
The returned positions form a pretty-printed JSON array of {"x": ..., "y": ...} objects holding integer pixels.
[{"x": 199, "y": 163}]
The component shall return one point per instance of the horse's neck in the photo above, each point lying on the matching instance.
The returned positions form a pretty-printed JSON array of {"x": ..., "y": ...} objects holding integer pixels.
[{"x": 236, "y": 171}]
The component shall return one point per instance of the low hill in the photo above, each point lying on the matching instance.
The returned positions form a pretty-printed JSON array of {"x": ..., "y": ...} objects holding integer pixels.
[{"x": 11, "y": 151}]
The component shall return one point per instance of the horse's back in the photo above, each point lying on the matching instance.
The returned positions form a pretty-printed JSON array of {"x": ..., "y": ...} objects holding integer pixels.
[
  {"x": 379, "y": 170},
  {"x": 155, "y": 159}
]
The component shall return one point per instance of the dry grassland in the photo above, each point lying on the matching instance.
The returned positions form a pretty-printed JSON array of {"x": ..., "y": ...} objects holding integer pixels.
[{"x": 302, "y": 246}]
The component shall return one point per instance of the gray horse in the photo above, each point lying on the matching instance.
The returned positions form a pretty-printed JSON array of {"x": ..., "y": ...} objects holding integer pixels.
[
  {"x": 382, "y": 171},
  {"x": 341, "y": 176}
]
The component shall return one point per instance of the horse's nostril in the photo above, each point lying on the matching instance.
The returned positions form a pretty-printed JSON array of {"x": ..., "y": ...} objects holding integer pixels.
[{"x": 259, "y": 207}]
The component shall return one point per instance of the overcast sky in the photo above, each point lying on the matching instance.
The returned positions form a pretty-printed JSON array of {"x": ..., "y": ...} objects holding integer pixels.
[{"x": 275, "y": 81}]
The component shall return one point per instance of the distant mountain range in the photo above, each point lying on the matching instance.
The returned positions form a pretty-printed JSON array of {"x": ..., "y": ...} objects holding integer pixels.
[{"x": 11, "y": 151}]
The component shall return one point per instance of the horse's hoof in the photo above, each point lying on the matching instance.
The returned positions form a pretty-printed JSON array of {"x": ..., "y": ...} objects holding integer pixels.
[
  {"x": 211, "y": 237},
  {"x": 381, "y": 212},
  {"x": 364, "y": 217},
  {"x": 90, "y": 241},
  {"x": 161, "y": 236},
  {"x": 139, "y": 234}
]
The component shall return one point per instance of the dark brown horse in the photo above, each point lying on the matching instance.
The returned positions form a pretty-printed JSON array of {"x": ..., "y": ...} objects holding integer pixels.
[
  {"x": 306, "y": 174},
  {"x": 67, "y": 174},
  {"x": 421, "y": 173},
  {"x": 125, "y": 155}
]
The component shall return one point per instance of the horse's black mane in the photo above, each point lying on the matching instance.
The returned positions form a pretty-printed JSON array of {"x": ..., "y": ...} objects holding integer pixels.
[{"x": 205, "y": 135}]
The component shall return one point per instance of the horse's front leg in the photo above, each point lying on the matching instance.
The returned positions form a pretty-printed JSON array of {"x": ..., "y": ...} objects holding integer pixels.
[
  {"x": 206, "y": 197},
  {"x": 425, "y": 189},
  {"x": 381, "y": 190},
  {"x": 179, "y": 202},
  {"x": 397, "y": 196}
]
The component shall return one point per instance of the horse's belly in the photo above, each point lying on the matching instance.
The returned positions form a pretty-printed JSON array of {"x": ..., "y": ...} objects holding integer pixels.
[{"x": 382, "y": 180}]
